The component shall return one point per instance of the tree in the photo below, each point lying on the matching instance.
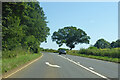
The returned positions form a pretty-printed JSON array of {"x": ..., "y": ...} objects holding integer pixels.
[
  {"x": 11, "y": 28},
  {"x": 23, "y": 24},
  {"x": 71, "y": 36},
  {"x": 115, "y": 44},
  {"x": 101, "y": 43},
  {"x": 118, "y": 43}
]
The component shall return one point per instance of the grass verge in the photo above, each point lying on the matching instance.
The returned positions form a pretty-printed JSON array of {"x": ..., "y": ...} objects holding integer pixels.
[
  {"x": 11, "y": 63},
  {"x": 116, "y": 60}
]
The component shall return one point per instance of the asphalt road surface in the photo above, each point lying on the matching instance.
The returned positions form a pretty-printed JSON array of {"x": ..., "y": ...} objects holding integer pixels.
[{"x": 53, "y": 65}]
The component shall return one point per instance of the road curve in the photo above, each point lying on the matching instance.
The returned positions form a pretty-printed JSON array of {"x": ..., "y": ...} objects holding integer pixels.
[{"x": 51, "y": 65}]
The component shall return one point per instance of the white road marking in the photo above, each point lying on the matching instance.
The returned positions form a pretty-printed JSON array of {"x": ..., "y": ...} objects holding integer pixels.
[
  {"x": 52, "y": 65},
  {"x": 96, "y": 73},
  {"x": 91, "y": 68}
]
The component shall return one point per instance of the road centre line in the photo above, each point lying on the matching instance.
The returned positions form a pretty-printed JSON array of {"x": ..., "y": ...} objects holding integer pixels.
[{"x": 96, "y": 73}]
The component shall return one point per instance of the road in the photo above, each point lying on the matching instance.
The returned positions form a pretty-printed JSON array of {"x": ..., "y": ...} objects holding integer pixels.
[{"x": 52, "y": 65}]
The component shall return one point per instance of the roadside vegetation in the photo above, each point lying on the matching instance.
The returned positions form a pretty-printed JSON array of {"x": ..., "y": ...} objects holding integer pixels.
[
  {"x": 112, "y": 55},
  {"x": 24, "y": 28},
  {"x": 19, "y": 57},
  {"x": 102, "y": 49},
  {"x": 23, "y": 25}
]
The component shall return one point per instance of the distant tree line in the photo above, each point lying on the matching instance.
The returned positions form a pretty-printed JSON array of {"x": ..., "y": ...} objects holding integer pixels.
[
  {"x": 71, "y": 36},
  {"x": 101, "y": 43},
  {"x": 23, "y": 25}
]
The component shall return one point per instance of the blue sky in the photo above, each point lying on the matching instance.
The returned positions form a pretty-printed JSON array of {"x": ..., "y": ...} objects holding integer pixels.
[{"x": 97, "y": 19}]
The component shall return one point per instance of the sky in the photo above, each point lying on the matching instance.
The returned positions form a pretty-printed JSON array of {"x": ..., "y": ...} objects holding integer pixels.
[{"x": 97, "y": 19}]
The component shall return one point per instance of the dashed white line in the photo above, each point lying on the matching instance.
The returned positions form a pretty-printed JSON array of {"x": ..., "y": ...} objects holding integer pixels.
[
  {"x": 96, "y": 73},
  {"x": 91, "y": 68}
]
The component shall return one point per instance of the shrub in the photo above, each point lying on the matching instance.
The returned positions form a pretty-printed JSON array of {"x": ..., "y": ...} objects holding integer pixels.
[
  {"x": 114, "y": 53},
  {"x": 92, "y": 48},
  {"x": 13, "y": 53}
]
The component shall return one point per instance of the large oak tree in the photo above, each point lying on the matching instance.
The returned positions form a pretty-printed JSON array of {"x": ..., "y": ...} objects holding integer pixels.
[{"x": 71, "y": 36}]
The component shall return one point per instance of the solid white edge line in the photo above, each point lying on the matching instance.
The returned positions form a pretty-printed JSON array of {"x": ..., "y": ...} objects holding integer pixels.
[
  {"x": 24, "y": 66},
  {"x": 86, "y": 68}
]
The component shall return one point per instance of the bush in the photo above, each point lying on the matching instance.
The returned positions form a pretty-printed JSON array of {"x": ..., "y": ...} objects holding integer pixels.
[
  {"x": 13, "y": 53},
  {"x": 72, "y": 51},
  {"x": 92, "y": 48},
  {"x": 114, "y": 53},
  {"x": 35, "y": 50}
]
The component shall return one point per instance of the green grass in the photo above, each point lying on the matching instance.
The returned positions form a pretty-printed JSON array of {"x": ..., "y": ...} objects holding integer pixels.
[
  {"x": 105, "y": 58},
  {"x": 13, "y": 62},
  {"x": 0, "y": 63},
  {"x": 0, "y": 66},
  {"x": 113, "y": 53}
]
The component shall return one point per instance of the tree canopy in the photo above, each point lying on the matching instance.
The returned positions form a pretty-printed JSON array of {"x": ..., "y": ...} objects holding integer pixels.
[
  {"x": 115, "y": 44},
  {"x": 23, "y": 24},
  {"x": 101, "y": 43},
  {"x": 71, "y": 36}
]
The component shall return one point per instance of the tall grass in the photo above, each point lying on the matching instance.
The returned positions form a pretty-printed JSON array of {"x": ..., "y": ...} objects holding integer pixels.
[
  {"x": 15, "y": 58},
  {"x": 14, "y": 53},
  {"x": 113, "y": 53}
]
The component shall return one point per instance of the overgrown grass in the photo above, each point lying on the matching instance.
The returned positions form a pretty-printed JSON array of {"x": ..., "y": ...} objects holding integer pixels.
[
  {"x": 112, "y": 55},
  {"x": 15, "y": 58},
  {"x": 0, "y": 62},
  {"x": 0, "y": 66}
]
